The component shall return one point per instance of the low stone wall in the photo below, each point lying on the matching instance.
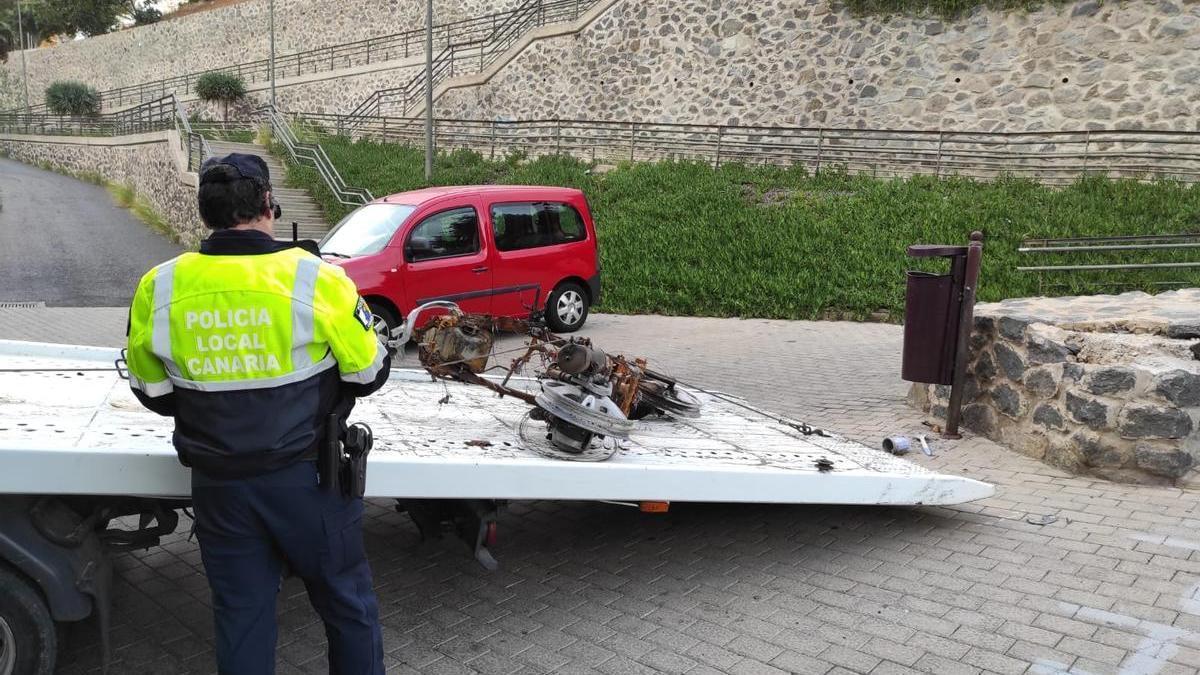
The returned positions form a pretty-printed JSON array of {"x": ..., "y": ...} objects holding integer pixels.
[
  {"x": 152, "y": 163},
  {"x": 1105, "y": 385}
]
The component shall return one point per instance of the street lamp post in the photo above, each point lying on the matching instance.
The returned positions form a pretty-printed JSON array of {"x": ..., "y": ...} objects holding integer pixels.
[
  {"x": 272, "y": 60},
  {"x": 429, "y": 90},
  {"x": 24, "y": 67}
]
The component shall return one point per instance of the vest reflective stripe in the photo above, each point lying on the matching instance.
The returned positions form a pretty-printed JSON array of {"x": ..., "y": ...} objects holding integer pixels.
[
  {"x": 304, "y": 292},
  {"x": 262, "y": 383},
  {"x": 367, "y": 375},
  {"x": 160, "y": 336},
  {"x": 151, "y": 389}
]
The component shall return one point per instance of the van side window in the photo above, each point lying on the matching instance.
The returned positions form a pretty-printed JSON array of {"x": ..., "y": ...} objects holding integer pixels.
[
  {"x": 521, "y": 225},
  {"x": 444, "y": 235}
]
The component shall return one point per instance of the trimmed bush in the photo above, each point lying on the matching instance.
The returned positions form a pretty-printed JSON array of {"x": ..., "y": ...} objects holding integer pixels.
[
  {"x": 223, "y": 87},
  {"x": 72, "y": 98}
]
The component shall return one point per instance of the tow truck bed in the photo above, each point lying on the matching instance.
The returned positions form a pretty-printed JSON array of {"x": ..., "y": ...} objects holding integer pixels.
[{"x": 66, "y": 431}]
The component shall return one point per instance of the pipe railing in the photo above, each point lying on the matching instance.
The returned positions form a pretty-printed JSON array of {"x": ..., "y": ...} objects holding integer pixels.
[
  {"x": 194, "y": 144},
  {"x": 469, "y": 56},
  {"x": 313, "y": 155},
  {"x": 405, "y": 44},
  {"x": 157, "y": 115},
  {"x": 1049, "y": 157}
]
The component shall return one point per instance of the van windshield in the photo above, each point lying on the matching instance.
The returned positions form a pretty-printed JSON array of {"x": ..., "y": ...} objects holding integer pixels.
[{"x": 366, "y": 230}]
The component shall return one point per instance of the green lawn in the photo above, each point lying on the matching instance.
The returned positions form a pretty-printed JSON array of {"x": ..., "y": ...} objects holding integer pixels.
[{"x": 684, "y": 238}]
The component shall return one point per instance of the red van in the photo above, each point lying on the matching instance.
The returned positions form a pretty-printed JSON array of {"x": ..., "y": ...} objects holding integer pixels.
[{"x": 494, "y": 249}]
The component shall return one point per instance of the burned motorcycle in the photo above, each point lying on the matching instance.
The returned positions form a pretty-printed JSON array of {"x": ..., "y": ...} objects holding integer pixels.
[{"x": 585, "y": 396}]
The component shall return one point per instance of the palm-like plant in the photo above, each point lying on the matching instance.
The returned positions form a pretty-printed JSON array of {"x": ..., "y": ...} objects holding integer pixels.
[{"x": 220, "y": 86}]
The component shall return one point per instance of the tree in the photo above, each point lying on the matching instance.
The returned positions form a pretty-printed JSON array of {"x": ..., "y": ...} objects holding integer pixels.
[
  {"x": 145, "y": 14},
  {"x": 219, "y": 86},
  {"x": 72, "y": 98},
  {"x": 9, "y": 29},
  {"x": 44, "y": 18}
]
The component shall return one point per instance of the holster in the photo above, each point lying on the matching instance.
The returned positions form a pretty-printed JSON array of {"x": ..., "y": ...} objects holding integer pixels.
[
  {"x": 358, "y": 442},
  {"x": 342, "y": 463}
]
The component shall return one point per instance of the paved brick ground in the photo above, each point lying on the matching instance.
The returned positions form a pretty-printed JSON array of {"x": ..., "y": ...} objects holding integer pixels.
[{"x": 1113, "y": 586}]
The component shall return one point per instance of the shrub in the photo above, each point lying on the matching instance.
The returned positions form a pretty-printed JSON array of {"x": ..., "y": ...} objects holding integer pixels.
[
  {"x": 223, "y": 87},
  {"x": 72, "y": 98},
  {"x": 145, "y": 15}
]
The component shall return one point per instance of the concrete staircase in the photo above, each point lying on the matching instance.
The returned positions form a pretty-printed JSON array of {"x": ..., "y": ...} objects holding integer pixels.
[{"x": 297, "y": 205}]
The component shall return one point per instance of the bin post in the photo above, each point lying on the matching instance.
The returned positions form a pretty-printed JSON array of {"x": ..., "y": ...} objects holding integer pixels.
[
  {"x": 966, "y": 324},
  {"x": 939, "y": 317}
]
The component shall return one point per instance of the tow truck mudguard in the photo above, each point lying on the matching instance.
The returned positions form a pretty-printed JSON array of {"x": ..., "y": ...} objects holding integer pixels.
[{"x": 74, "y": 580}]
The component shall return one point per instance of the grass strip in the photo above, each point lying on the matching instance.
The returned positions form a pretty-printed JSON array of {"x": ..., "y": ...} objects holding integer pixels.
[{"x": 684, "y": 238}]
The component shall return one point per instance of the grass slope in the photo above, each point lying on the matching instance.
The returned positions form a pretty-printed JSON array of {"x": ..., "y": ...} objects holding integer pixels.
[{"x": 684, "y": 238}]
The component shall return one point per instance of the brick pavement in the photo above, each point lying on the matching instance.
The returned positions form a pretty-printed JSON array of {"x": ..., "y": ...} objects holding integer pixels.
[{"x": 1113, "y": 586}]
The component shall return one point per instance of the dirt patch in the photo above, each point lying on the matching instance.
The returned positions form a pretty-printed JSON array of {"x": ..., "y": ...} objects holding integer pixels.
[{"x": 189, "y": 8}]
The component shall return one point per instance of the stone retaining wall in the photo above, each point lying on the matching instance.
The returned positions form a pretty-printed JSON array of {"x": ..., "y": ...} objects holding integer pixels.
[
  {"x": 762, "y": 62},
  {"x": 229, "y": 35},
  {"x": 1105, "y": 385},
  {"x": 151, "y": 163},
  {"x": 810, "y": 63}
]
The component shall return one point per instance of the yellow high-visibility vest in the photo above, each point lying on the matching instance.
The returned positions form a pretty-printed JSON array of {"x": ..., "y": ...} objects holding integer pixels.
[{"x": 237, "y": 322}]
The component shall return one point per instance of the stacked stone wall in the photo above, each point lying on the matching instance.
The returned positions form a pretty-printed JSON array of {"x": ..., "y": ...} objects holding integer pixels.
[
  {"x": 1106, "y": 385},
  {"x": 809, "y": 63},
  {"x": 147, "y": 162},
  {"x": 229, "y": 35},
  {"x": 805, "y": 63}
]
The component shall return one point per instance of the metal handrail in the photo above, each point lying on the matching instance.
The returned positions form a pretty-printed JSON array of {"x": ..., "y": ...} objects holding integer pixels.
[
  {"x": 320, "y": 59},
  {"x": 475, "y": 55},
  {"x": 1050, "y": 157},
  {"x": 157, "y": 115},
  {"x": 188, "y": 138},
  {"x": 314, "y": 155}
]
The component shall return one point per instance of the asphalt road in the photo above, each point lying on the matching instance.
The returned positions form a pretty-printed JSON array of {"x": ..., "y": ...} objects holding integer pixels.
[{"x": 64, "y": 242}]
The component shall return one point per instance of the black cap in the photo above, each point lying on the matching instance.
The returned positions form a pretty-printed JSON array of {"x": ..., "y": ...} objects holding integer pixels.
[
  {"x": 233, "y": 166},
  {"x": 238, "y": 166}
]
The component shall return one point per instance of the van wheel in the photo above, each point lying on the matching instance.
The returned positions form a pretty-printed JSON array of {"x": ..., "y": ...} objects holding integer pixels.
[
  {"x": 567, "y": 307},
  {"x": 385, "y": 322},
  {"x": 28, "y": 640}
]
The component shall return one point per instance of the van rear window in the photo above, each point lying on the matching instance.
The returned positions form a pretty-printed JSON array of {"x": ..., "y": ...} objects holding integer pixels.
[{"x": 522, "y": 225}]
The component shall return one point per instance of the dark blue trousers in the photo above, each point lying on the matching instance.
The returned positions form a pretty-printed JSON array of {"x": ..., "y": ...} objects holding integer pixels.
[{"x": 247, "y": 529}]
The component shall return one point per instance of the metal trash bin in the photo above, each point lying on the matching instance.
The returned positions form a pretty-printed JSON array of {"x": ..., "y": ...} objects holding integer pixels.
[
  {"x": 931, "y": 309},
  {"x": 938, "y": 316}
]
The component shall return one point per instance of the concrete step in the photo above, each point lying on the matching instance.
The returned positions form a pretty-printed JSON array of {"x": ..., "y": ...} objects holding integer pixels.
[
  {"x": 233, "y": 146},
  {"x": 297, "y": 212},
  {"x": 299, "y": 207},
  {"x": 289, "y": 216},
  {"x": 305, "y": 232},
  {"x": 296, "y": 203}
]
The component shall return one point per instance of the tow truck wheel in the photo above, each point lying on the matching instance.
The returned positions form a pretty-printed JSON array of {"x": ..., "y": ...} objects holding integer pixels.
[{"x": 27, "y": 635}]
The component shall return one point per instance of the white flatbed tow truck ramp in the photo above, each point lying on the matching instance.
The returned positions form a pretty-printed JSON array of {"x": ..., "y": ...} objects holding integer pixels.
[
  {"x": 79, "y": 454},
  {"x": 68, "y": 430}
]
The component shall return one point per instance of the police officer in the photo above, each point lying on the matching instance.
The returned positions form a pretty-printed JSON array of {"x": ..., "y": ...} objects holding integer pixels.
[{"x": 249, "y": 344}]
